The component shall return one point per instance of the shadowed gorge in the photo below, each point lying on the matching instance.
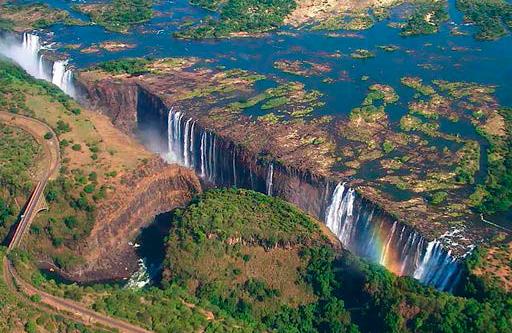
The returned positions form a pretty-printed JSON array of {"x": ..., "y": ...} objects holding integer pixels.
[{"x": 362, "y": 226}]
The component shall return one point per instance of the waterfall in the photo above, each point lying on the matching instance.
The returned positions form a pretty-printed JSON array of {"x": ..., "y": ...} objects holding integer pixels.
[
  {"x": 191, "y": 146},
  {"x": 28, "y": 55},
  {"x": 203, "y": 155},
  {"x": 182, "y": 145},
  {"x": 382, "y": 240},
  {"x": 234, "y": 167},
  {"x": 386, "y": 248},
  {"x": 63, "y": 77},
  {"x": 186, "y": 143},
  {"x": 361, "y": 227},
  {"x": 270, "y": 178}
]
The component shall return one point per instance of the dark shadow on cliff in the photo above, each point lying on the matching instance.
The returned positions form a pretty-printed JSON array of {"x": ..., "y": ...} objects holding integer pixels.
[{"x": 152, "y": 245}]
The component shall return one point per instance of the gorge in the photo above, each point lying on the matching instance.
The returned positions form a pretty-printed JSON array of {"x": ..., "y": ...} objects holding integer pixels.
[{"x": 362, "y": 226}]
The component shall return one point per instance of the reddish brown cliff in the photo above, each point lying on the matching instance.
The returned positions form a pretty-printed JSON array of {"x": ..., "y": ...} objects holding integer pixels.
[{"x": 152, "y": 189}]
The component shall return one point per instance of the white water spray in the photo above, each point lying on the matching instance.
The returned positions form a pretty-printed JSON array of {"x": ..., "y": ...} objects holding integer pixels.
[
  {"x": 28, "y": 54},
  {"x": 376, "y": 237}
]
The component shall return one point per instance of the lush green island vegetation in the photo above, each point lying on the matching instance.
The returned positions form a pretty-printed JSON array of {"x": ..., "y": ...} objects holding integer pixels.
[
  {"x": 426, "y": 18},
  {"x": 23, "y": 17},
  {"x": 492, "y": 17},
  {"x": 239, "y": 16},
  {"x": 119, "y": 15},
  {"x": 362, "y": 54}
]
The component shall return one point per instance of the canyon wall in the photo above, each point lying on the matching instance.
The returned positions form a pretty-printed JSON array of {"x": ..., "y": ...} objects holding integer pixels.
[
  {"x": 362, "y": 227},
  {"x": 152, "y": 189}
]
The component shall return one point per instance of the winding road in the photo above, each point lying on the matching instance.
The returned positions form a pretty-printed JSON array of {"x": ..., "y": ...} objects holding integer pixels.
[{"x": 34, "y": 205}]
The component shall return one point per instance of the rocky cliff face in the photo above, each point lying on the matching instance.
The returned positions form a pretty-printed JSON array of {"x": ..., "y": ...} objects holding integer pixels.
[
  {"x": 152, "y": 189},
  {"x": 248, "y": 154},
  {"x": 117, "y": 100}
]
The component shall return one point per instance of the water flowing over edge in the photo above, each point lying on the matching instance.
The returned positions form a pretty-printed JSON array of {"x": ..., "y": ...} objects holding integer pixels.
[
  {"x": 361, "y": 227},
  {"x": 29, "y": 54}
]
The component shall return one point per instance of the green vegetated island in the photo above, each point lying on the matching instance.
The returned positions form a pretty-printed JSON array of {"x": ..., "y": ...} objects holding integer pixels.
[
  {"x": 239, "y": 17},
  {"x": 19, "y": 17}
]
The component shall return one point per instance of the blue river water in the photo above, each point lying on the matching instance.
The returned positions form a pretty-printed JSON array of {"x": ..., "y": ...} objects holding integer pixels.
[{"x": 438, "y": 56}]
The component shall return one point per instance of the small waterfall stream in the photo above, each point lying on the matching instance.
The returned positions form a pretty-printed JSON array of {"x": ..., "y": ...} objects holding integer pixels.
[
  {"x": 270, "y": 179},
  {"x": 63, "y": 77}
]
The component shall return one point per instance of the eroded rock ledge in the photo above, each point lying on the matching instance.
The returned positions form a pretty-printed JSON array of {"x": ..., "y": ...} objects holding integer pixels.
[{"x": 190, "y": 111}]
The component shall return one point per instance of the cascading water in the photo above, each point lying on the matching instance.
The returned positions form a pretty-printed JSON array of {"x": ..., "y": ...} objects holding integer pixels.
[
  {"x": 361, "y": 227},
  {"x": 383, "y": 241},
  {"x": 28, "y": 55},
  {"x": 270, "y": 179},
  {"x": 63, "y": 77},
  {"x": 185, "y": 149}
]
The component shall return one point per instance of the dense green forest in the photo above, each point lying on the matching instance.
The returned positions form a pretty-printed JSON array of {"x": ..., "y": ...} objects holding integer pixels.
[
  {"x": 18, "y": 155},
  {"x": 240, "y": 261},
  {"x": 350, "y": 294}
]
